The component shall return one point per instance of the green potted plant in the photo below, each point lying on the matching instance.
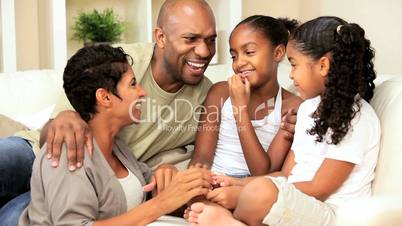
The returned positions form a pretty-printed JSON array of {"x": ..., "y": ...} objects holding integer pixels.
[{"x": 98, "y": 27}]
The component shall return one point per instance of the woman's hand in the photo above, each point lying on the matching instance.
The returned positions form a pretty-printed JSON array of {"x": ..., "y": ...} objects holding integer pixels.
[
  {"x": 185, "y": 185},
  {"x": 164, "y": 175}
]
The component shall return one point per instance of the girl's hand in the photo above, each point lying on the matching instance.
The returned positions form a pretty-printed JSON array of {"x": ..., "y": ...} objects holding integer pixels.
[
  {"x": 185, "y": 185},
  {"x": 288, "y": 124},
  {"x": 224, "y": 181},
  {"x": 239, "y": 92},
  {"x": 225, "y": 196}
]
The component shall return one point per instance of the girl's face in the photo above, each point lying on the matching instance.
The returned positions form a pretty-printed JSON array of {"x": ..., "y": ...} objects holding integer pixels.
[
  {"x": 253, "y": 55},
  {"x": 307, "y": 74}
]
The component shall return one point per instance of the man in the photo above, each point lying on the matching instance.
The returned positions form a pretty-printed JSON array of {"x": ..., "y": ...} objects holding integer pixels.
[{"x": 172, "y": 74}]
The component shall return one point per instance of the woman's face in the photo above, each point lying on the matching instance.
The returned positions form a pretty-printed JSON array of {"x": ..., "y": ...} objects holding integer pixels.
[{"x": 128, "y": 106}]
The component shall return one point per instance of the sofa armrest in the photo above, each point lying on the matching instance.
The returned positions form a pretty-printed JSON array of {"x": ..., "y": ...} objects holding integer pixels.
[{"x": 373, "y": 211}]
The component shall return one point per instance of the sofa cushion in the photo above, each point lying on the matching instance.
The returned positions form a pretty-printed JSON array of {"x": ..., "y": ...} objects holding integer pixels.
[
  {"x": 8, "y": 126},
  {"x": 387, "y": 102}
]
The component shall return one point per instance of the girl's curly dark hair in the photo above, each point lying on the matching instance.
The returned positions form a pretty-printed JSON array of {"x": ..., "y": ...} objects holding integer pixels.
[
  {"x": 92, "y": 68},
  {"x": 351, "y": 74}
]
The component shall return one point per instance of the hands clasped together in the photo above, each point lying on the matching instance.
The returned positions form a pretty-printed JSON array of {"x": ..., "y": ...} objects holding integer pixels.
[{"x": 174, "y": 188}]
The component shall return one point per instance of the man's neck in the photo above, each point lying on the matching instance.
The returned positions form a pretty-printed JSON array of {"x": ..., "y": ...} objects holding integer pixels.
[{"x": 161, "y": 76}]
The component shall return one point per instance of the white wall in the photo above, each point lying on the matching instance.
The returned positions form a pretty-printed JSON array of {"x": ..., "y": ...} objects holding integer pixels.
[
  {"x": 27, "y": 34},
  {"x": 382, "y": 21},
  {"x": 73, "y": 8}
]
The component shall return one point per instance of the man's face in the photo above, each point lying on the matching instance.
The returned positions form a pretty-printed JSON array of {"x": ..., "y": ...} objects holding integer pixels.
[{"x": 189, "y": 44}]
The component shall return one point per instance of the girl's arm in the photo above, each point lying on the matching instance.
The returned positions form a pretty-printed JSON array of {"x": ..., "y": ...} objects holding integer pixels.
[
  {"x": 257, "y": 160},
  {"x": 329, "y": 178},
  {"x": 280, "y": 145},
  {"x": 287, "y": 166},
  {"x": 208, "y": 129}
]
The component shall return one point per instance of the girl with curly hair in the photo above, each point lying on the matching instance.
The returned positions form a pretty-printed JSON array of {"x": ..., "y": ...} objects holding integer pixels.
[{"x": 336, "y": 141}]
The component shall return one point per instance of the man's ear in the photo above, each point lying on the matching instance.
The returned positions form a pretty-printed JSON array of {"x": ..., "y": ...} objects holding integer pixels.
[
  {"x": 103, "y": 97},
  {"x": 159, "y": 37},
  {"x": 325, "y": 65},
  {"x": 279, "y": 52}
]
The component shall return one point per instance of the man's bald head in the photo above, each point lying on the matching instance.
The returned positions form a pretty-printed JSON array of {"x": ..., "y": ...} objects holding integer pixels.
[
  {"x": 185, "y": 40},
  {"x": 172, "y": 8}
]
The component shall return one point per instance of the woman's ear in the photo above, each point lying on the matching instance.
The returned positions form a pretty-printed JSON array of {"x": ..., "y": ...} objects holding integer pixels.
[
  {"x": 103, "y": 98},
  {"x": 325, "y": 65},
  {"x": 159, "y": 37},
  {"x": 279, "y": 52}
]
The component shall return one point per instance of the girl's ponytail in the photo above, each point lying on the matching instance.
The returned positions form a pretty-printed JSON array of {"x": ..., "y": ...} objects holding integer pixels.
[
  {"x": 350, "y": 39},
  {"x": 290, "y": 24},
  {"x": 369, "y": 74}
]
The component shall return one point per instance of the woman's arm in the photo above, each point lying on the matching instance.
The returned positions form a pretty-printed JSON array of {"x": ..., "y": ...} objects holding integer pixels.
[
  {"x": 208, "y": 130},
  {"x": 63, "y": 192},
  {"x": 184, "y": 186},
  {"x": 70, "y": 204}
]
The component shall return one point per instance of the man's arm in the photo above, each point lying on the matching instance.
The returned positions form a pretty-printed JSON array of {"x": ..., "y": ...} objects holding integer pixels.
[{"x": 69, "y": 128}]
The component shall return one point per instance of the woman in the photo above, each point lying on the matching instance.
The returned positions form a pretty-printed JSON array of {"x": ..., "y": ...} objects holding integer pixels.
[{"x": 108, "y": 189}]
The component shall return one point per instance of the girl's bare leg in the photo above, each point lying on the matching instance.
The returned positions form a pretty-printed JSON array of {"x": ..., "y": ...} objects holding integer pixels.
[{"x": 255, "y": 201}]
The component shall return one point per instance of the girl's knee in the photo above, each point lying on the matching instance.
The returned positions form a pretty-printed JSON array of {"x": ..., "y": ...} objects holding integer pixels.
[
  {"x": 256, "y": 199},
  {"x": 260, "y": 190}
]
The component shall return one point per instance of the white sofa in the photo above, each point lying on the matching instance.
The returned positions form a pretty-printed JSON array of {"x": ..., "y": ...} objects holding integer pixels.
[{"x": 29, "y": 97}]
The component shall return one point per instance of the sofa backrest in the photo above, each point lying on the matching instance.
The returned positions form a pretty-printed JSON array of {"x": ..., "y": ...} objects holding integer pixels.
[
  {"x": 29, "y": 96},
  {"x": 387, "y": 102}
]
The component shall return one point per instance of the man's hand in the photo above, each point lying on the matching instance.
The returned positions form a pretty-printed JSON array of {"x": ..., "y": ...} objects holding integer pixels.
[
  {"x": 69, "y": 128},
  {"x": 163, "y": 176},
  {"x": 288, "y": 123}
]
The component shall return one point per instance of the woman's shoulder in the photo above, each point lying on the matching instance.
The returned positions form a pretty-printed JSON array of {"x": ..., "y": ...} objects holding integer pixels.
[{"x": 48, "y": 174}]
